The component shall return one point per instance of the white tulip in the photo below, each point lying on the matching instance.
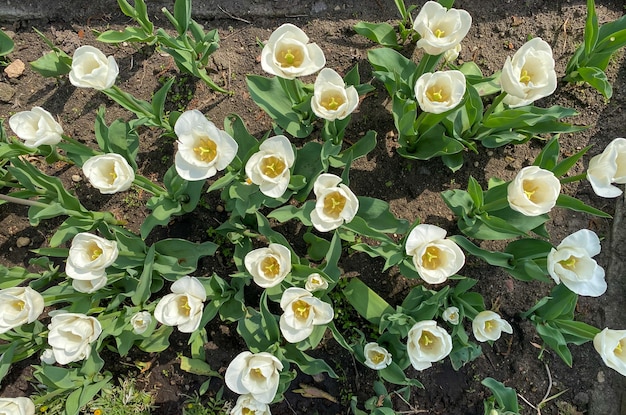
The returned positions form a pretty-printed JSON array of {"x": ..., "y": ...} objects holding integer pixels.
[
  {"x": 92, "y": 69},
  {"x": 87, "y": 260},
  {"x": 451, "y": 315},
  {"x": 269, "y": 167},
  {"x": 607, "y": 168},
  {"x": 47, "y": 357},
  {"x": 254, "y": 374},
  {"x": 331, "y": 99},
  {"x": 110, "y": 173},
  {"x": 435, "y": 258},
  {"x": 203, "y": 149},
  {"x": 611, "y": 345},
  {"x": 315, "y": 282},
  {"x": 71, "y": 335},
  {"x": 247, "y": 405},
  {"x": 440, "y": 29},
  {"x": 17, "y": 406},
  {"x": 19, "y": 305},
  {"x": 301, "y": 312},
  {"x": 571, "y": 263},
  {"x": 289, "y": 54},
  {"x": 427, "y": 343},
  {"x": 268, "y": 266},
  {"x": 183, "y": 308},
  {"x": 534, "y": 191},
  {"x": 488, "y": 325},
  {"x": 440, "y": 91},
  {"x": 140, "y": 322},
  {"x": 376, "y": 357},
  {"x": 530, "y": 75},
  {"x": 36, "y": 127},
  {"x": 335, "y": 205}
]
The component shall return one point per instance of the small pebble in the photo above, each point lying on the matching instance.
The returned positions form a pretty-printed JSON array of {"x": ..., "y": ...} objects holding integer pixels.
[
  {"x": 22, "y": 241},
  {"x": 219, "y": 208},
  {"x": 76, "y": 178},
  {"x": 601, "y": 377}
]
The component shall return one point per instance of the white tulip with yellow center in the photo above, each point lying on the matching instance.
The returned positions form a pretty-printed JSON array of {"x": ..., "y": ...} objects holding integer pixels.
[
  {"x": 289, "y": 54},
  {"x": 183, "y": 308},
  {"x": 87, "y": 260},
  {"x": 488, "y": 326},
  {"x": 110, "y": 173},
  {"x": 440, "y": 29},
  {"x": 247, "y": 405},
  {"x": 571, "y": 263},
  {"x": 529, "y": 75},
  {"x": 301, "y": 313},
  {"x": 269, "y": 167},
  {"x": 534, "y": 191},
  {"x": 607, "y": 168},
  {"x": 440, "y": 91},
  {"x": 140, "y": 322},
  {"x": 255, "y": 374},
  {"x": 17, "y": 406},
  {"x": 71, "y": 335},
  {"x": 315, "y": 282},
  {"x": 19, "y": 305},
  {"x": 376, "y": 357},
  {"x": 335, "y": 205},
  {"x": 203, "y": 149},
  {"x": 268, "y": 266},
  {"x": 451, "y": 315},
  {"x": 36, "y": 127},
  {"x": 331, "y": 99},
  {"x": 92, "y": 69},
  {"x": 435, "y": 258},
  {"x": 427, "y": 343},
  {"x": 611, "y": 345}
]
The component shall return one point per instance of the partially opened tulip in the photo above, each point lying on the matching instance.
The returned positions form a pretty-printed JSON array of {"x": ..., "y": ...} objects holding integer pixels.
[
  {"x": 335, "y": 205},
  {"x": 607, "y": 168},
  {"x": 140, "y": 322},
  {"x": 87, "y": 260},
  {"x": 301, "y": 312},
  {"x": 269, "y": 167},
  {"x": 529, "y": 75},
  {"x": 488, "y": 326},
  {"x": 332, "y": 100},
  {"x": 92, "y": 69},
  {"x": 440, "y": 91},
  {"x": 435, "y": 258},
  {"x": 110, "y": 173},
  {"x": 255, "y": 374},
  {"x": 451, "y": 315},
  {"x": 268, "y": 266},
  {"x": 611, "y": 345},
  {"x": 534, "y": 191},
  {"x": 289, "y": 54},
  {"x": 247, "y": 405},
  {"x": 440, "y": 29},
  {"x": 376, "y": 356},
  {"x": 36, "y": 127},
  {"x": 427, "y": 343},
  {"x": 183, "y": 308},
  {"x": 17, "y": 406},
  {"x": 571, "y": 263},
  {"x": 19, "y": 305},
  {"x": 71, "y": 336},
  {"x": 315, "y": 282},
  {"x": 203, "y": 149}
]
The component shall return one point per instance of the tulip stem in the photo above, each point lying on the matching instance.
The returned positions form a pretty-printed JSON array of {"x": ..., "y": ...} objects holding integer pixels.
[
  {"x": 572, "y": 179},
  {"x": 497, "y": 100},
  {"x": 292, "y": 89},
  {"x": 19, "y": 201},
  {"x": 147, "y": 185},
  {"x": 413, "y": 139}
]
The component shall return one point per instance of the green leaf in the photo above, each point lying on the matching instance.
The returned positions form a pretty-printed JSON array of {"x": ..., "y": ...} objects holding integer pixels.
[
  {"x": 578, "y": 329},
  {"x": 505, "y": 396},
  {"x": 366, "y": 302},
  {"x": 597, "y": 79},
  {"x": 499, "y": 259},
  {"x": 6, "y": 44},
  {"x": 197, "y": 367},
  {"x": 394, "y": 374},
  {"x": 378, "y": 216},
  {"x": 163, "y": 209},
  {"x": 555, "y": 340},
  {"x": 6, "y": 359},
  {"x": 574, "y": 204},
  {"x": 549, "y": 155},
  {"x": 142, "y": 292},
  {"x": 381, "y": 33},
  {"x": 182, "y": 14},
  {"x": 286, "y": 213},
  {"x": 306, "y": 363},
  {"x": 52, "y": 64},
  {"x": 158, "y": 341},
  {"x": 129, "y": 34},
  {"x": 591, "y": 28},
  {"x": 566, "y": 164}
]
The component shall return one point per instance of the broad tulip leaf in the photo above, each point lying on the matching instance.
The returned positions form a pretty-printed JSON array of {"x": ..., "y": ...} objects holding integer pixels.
[
  {"x": 366, "y": 302},
  {"x": 129, "y": 34},
  {"x": 52, "y": 64},
  {"x": 394, "y": 374},
  {"x": 555, "y": 340},
  {"x": 499, "y": 259},
  {"x": 382, "y": 33},
  {"x": 572, "y": 203},
  {"x": 505, "y": 396},
  {"x": 597, "y": 79},
  {"x": 6, "y": 359},
  {"x": 197, "y": 367},
  {"x": 6, "y": 44},
  {"x": 142, "y": 291},
  {"x": 579, "y": 331}
]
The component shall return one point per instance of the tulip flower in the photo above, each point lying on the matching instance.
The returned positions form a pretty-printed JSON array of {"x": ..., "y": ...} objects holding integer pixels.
[
  {"x": 534, "y": 191},
  {"x": 332, "y": 100},
  {"x": 110, "y": 173},
  {"x": 571, "y": 263},
  {"x": 376, "y": 357},
  {"x": 203, "y": 149},
  {"x": 19, "y": 305},
  {"x": 451, "y": 315},
  {"x": 434, "y": 257},
  {"x": 488, "y": 326},
  {"x": 427, "y": 343},
  {"x": 247, "y": 405},
  {"x": 611, "y": 345},
  {"x": 529, "y": 75},
  {"x": 315, "y": 282},
  {"x": 36, "y": 127},
  {"x": 302, "y": 312},
  {"x": 268, "y": 266},
  {"x": 255, "y": 374},
  {"x": 289, "y": 54},
  {"x": 17, "y": 406},
  {"x": 92, "y": 69},
  {"x": 335, "y": 205},
  {"x": 87, "y": 260},
  {"x": 47, "y": 357},
  {"x": 607, "y": 168},
  {"x": 269, "y": 167},
  {"x": 71, "y": 336},
  {"x": 440, "y": 91},
  {"x": 140, "y": 322},
  {"x": 440, "y": 29},
  {"x": 183, "y": 308}
]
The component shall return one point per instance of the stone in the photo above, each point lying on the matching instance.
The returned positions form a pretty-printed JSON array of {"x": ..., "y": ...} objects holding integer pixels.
[
  {"x": 6, "y": 92},
  {"x": 15, "y": 69}
]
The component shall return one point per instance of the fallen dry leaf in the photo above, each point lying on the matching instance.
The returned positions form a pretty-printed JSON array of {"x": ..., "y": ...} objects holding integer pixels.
[{"x": 312, "y": 392}]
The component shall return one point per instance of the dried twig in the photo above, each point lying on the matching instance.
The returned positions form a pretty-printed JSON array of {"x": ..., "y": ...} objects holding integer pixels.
[{"x": 232, "y": 16}]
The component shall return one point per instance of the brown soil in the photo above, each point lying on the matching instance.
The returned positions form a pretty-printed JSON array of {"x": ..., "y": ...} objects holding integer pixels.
[{"x": 412, "y": 188}]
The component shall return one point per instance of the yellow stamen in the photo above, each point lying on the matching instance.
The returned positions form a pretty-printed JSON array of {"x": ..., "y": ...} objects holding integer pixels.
[
  {"x": 425, "y": 340},
  {"x": 94, "y": 251},
  {"x": 270, "y": 267},
  {"x": 377, "y": 357},
  {"x": 183, "y": 305},
  {"x": 569, "y": 263},
  {"x": 334, "y": 204},
  {"x": 435, "y": 95},
  {"x": 524, "y": 77},
  {"x": 430, "y": 259},
  {"x": 529, "y": 190},
  {"x": 439, "y": 33},
  {"x": 206, "y": 150},
  {"x": 247, "y": 411},
  {"x": 488, "y": 325},
  {"x": 98, "y": 412},
  {"x": 301, "y": 308},
  {"x": 290, "y": 57},
  {"x": 272, "y": 166},
  {"x": 256, "y": 373},
  {"x": 332, "y": 102},
  {"x": 19, "y": 304},
  {"x": 618, "y": 349}
]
